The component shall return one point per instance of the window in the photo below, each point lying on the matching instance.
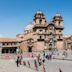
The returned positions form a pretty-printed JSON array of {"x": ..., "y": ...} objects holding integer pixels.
[
  {"x": 15, "y": 43},
  {"x": 59, "y": 23},
  {"x": 40, "y": 30},
  {"x": 29, "y": 41},
  {"x": 7, "y": 43},
  {"x": 11, "y": 43},
  {"x": 50, "y": 28},
  {"x": 40, "y": 37},
  {"x": 3, "y": 43},
  {"x": 59, "y": 30},
  {"x": 50, "y": 33}
]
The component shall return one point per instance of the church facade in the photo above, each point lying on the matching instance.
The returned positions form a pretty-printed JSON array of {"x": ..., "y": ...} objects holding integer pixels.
[
  {"x": 38, "y": 35},
  {"x": 42, "y": 35}
]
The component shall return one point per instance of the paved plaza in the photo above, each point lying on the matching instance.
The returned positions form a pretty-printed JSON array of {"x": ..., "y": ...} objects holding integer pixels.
[
  {"x": 10, "y": 66},
  {"x": 58, "y": 61},
  {"x": 50, "y": 66}
]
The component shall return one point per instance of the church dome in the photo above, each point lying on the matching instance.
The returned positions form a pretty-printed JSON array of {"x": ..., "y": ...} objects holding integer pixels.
[{"x": 29, "y": 26}]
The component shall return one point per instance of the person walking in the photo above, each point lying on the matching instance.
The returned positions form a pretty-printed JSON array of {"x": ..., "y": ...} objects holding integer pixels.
[
  {"x": 17, "y": 61},
  {"x": 20, "y": 60}
]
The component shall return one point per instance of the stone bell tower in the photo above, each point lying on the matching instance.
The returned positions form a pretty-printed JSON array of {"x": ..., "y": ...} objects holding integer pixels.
[
  {"x": 39, "y": 18},
  {"x": 39, "y": 28},
  {"x": 57, "y": 19}
]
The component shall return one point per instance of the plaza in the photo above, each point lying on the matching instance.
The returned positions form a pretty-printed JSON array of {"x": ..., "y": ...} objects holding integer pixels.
[
  {"x": 35, "y": 35},
  {"x": 50, "y": 66}
]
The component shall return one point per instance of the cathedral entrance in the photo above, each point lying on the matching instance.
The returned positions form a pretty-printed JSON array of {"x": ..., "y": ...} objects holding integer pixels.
[{"x": 29, "y": 49}]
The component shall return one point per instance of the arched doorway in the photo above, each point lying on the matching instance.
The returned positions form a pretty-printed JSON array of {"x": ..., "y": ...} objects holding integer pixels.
[{"x": 29, "y": 49}]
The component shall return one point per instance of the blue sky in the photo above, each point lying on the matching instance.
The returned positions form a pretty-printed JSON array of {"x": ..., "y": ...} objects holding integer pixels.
[{"x": 16, "y": 14}]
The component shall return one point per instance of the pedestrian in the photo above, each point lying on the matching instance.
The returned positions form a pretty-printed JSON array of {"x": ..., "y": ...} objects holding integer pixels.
[
  {"x": 36, "y": 65},
  {"x": 38, "y": 58},
  {"x": 17, "y": 61},
  {"x": 40, "y": 62},
  {"x": 20, "y": 60},
  {"x": 44, "y": 70},
  {"x": 29, "y": 64},
  {"x": 44, "y": 53}
]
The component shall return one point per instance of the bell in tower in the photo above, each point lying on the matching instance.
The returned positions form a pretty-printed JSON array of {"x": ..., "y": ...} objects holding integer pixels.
[{"x": 39, "y": 18}]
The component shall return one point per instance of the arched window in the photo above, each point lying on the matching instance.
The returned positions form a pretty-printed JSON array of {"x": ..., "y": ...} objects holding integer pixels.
[{"x": 30, "y": 41}]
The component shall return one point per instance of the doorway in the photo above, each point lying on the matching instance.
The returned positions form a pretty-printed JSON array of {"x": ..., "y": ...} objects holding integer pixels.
[{"x": 29, "y": 49}]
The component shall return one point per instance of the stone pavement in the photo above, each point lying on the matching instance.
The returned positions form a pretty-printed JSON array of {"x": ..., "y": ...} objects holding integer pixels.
[
  {"x": 10, "y": 66},
  {"x": 50, "y": 66}
]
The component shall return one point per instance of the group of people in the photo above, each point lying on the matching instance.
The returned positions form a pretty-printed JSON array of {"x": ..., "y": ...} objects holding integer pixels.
[
  {"x": 42, "y": 56},
  {"x": 40, "y": 59},
  {"x": 19, "y": 60}
]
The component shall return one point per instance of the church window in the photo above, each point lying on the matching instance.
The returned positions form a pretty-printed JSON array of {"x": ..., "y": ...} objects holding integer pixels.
[
  {"x": 59, "y": 23},
  {"x": 59, "y": 30},
  {"x": 45, "y": 36},
  {"x": 40, "y": 30},
  {"x": 3, "y": 43},
  {"x": 50, "y": 33},
  {"x": 50, "y": 28},
  {"x": 7, "y": 43},
  {"x": 40, "y": 37}
]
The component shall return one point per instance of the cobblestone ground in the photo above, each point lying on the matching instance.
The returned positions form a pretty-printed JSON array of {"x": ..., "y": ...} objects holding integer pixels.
[
  {"x": 10, "y": 66},
  {"x": 50, "y": 66},
  {"x": 54, "y": 65}
]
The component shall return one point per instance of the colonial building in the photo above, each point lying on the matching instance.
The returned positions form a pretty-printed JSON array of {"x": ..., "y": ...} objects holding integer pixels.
[
  {"x": 9, "y": 45},
  {"x": 68, "y": 42}
]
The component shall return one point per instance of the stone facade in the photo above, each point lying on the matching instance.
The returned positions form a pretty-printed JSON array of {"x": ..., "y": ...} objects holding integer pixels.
[
  {"x": 68, "y": 42},
  {"x": 42, "y": 35},
  {"x": 39, "y": 35}
]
